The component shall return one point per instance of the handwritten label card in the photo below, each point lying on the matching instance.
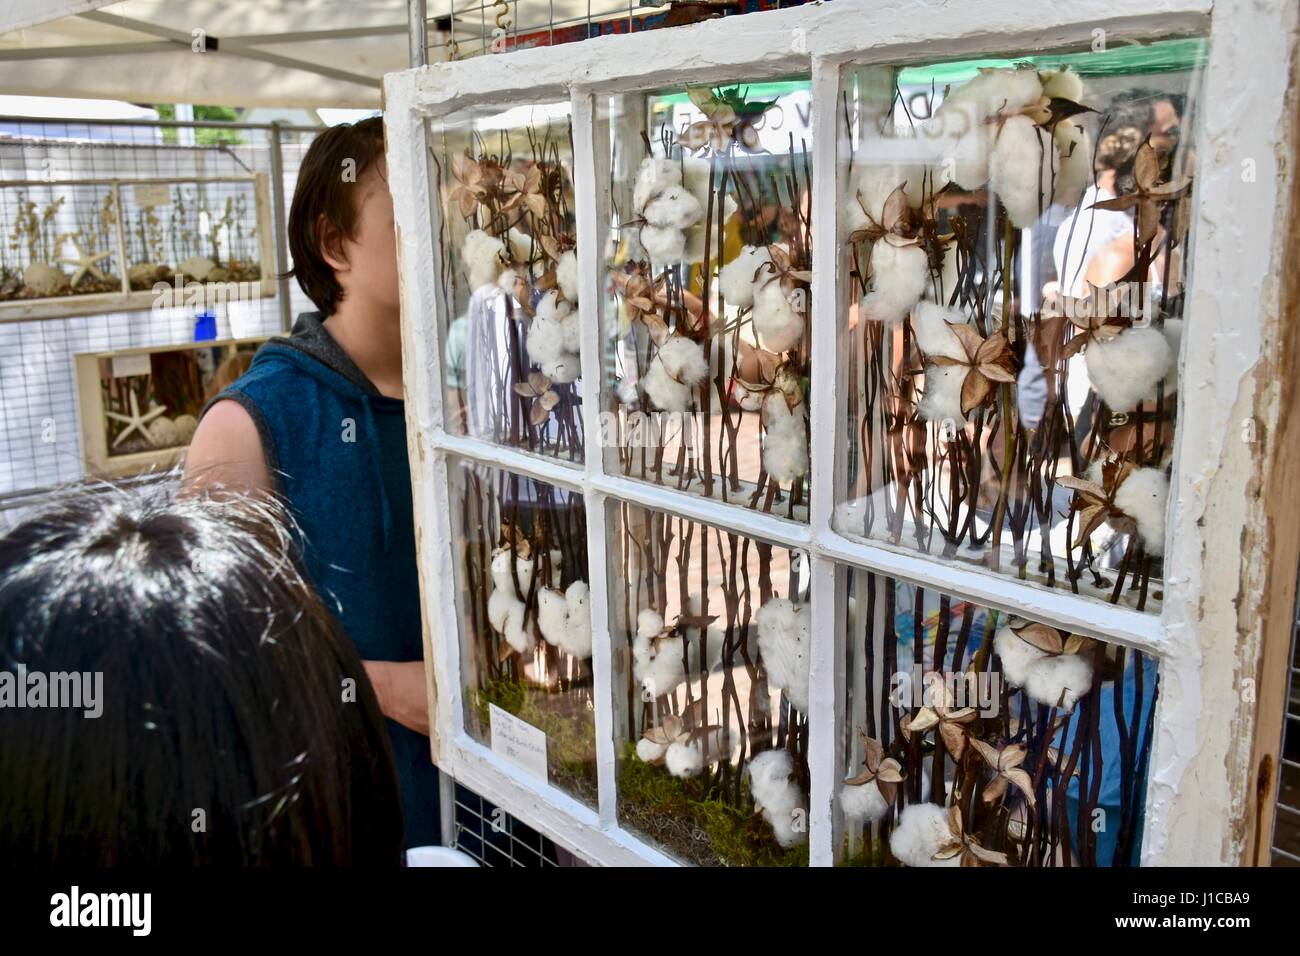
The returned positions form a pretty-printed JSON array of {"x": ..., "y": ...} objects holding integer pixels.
[
  {"x": 152, "y": 194},
  {"x": 124, "y": 366},
  {"x": 519, "y": 742}
]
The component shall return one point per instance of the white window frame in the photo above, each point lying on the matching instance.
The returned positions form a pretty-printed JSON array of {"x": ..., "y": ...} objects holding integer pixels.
[{"x": 1204, "y": 637}]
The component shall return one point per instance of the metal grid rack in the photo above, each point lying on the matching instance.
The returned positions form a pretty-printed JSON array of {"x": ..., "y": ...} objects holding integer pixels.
[
  {"x": 1286, "y": 823},
  {"x": 39, "y": 435}
]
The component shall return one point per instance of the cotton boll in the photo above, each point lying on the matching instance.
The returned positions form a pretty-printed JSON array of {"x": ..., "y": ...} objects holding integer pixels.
[
  {"x": 481, "y": 257},
  {"x": 1062, "y": 678},
  {"x": 1062, "y": 84},
  {"x": 552, "y": 616},
  {"x": 501, "y": 576},
  {"x": 871, "y": 187},
  {"x": 500, "y": 602},
  {"x": 663, "y": 244},
  {"x": 649, "y": 751},
  {"x": 1017, "y": 656},
  {"x": 778, "y": 325},
  {"x": 1173, "y": 330},
  {"x": 932, "y": 325},
  {"x": 899, "y": 276},
  {"x": 576, "y": 637},
  {"x": 665, "y": 393},
  {"x": 783, "y": 642},
  {"x": 921, "y": 832},
  {"x": 544, "y": 340},
  {"x": 736, "y": 278},
  {"x": 648, "y": 623},
  {"x": 683, "y": 358},
  {"x": 675, "y": 207},
  {"x": 1127, "y": 369},
  {"x": 571, "y": 334},
  {"x": 785, "y": 443},
  {"x": 654, "y": 176},
  {"x": 684, "y": 760},
  {"x": 942, "y": 399},
  {"x": 1015, "y": 169},
  {"x": 863, "y": 803},
  {"x": 658, "y": 671},
  {"x": 519, "y": 637},
  {"x": 1142, "y": 496},
  {"x": 1074, "y": 163},
  {"x": 552, "y": 308},
  {"x": 566, "y": 274},
  {"x": 777, "y": 796},
  {"x": 521, "y": 245},
  {"x": 1004, "y": 90}
]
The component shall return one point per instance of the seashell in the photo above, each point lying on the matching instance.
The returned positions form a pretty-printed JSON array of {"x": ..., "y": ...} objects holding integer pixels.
[
  {"x": 197, "y": 267},
  {"x": 163, "y": 432},
  {"x": 45, "y": 279},
  {"x": 185, "y": 428}
]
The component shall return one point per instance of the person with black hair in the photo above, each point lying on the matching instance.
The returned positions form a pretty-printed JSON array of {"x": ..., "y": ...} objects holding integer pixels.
[{"x": 237, "y": 725}]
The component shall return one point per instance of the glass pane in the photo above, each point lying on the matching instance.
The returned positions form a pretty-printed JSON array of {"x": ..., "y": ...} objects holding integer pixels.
[
  {"x": 59, "y": 240},
  {"x": 510, "y": 277},
  {"x": 710, "y": 633},
  {"x": 707, "y": 314},
  {"x": 1015, "y": 241},
  {"x": 1041, "y": 738},
  {"x": 521, "y": 571}
]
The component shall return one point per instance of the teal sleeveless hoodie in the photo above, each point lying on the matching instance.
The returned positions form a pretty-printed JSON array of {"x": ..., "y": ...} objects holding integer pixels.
[{"x": 336, "y": 448}]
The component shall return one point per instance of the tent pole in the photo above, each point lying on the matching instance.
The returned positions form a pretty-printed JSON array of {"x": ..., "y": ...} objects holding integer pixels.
[
  {"x": 281, "y": 231},
  {"x": 416, "y": 17}
]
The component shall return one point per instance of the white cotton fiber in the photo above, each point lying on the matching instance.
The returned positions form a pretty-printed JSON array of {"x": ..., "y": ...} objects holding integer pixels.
[
  {"x": 576, "y": 636},
  {"x": 783, "y": 642},
  {"x": 674, "y": 207},
  {"x": 684, "y": 759},
  {"x": 777, "y": 796},
  {"x": 658, "y": 671},
  {"x": 785, "y": 442},
  {"x": 566, "y": 274},
  {"x": 571, "y": 335},
  {"x": 499, "y": 604},
  {"x": 1062, "y": 84},
  {"x": 922, "y": 830},
  {"x": 872, "y": 184},
  {"x": 501, "y": 575},
  {"x": 941, "y": 400},
  {"x": 1073, "y": 163},
  {"x": 553, "y": 339},
  {"x": 521, "y": 245},
  {"x": 1142, "y": 496},
  {"x": 1017, "y": 656},
  {"x": 552, "y": 615},
  {"x": 736, "y": 279},
  {"x": 899, "y": 276},
  {"x": 654, "y": 176},
  {"x": 677, "y": 368},
  {"x": 481, "y": 257},
  {"x": 1003, "y": 90},
  {"x": 863, "y": 803},
  {"x": 1020, "y": 153},
  {"x": 544, "y": 339},
  {"x": 663, "y": 244},
  {"x": 778, "y": 325},
  {"x": 648, "y": 623},
  {"x": 649, "y": 751},
  {"x": 1127, "y": 369},
  {"x": 934, "y": 335},
  {"x": 1173, "y": 330},
  {"x": 1062, "y": 678}
]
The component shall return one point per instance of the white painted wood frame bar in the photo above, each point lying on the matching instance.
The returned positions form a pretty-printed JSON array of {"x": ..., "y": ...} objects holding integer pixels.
[{"x": 1201, "y": 722}]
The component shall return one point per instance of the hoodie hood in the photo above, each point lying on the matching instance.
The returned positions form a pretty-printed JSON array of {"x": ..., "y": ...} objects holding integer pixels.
[{"x": 313, "y": 350}]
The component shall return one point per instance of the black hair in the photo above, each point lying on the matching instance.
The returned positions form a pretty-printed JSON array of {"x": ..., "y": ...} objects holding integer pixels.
[
  {"x": 238, "y": 725},
  {"x": 324, "y": 207}
]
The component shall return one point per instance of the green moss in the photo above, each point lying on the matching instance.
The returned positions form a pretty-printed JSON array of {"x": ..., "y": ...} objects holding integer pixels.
[
  {"x": 570, "y": 737},
  {"x": 695, "y": 821}
]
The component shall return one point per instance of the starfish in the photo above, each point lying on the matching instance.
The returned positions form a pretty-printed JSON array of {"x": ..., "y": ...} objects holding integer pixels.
[
  {"x": 85, "y": 262},
  {"x": 135, "y": 421}
]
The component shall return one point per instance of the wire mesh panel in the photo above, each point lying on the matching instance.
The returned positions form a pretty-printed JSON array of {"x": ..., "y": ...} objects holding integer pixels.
[
  {"x": 179, "y": 195},
  {"x": 1286, "y": 825}
]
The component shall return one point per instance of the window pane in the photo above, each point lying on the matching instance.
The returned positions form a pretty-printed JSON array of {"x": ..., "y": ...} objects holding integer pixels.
[
  {"x": 707, "y": 318},
  {"x": 1015, "y": 239},
  {"x": 510, "y": 277},
  {"x": 521, "y": 571},
  {"x": 1075, "y": 715},
  {"x": 710, "y": 633}
]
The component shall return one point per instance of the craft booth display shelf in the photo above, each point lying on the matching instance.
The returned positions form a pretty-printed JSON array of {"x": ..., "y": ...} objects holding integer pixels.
[{"x": 853, "y": 435}]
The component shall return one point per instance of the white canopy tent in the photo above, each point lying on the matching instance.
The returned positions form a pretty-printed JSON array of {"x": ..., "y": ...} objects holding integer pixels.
[{"x": 251, "y": 52}]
